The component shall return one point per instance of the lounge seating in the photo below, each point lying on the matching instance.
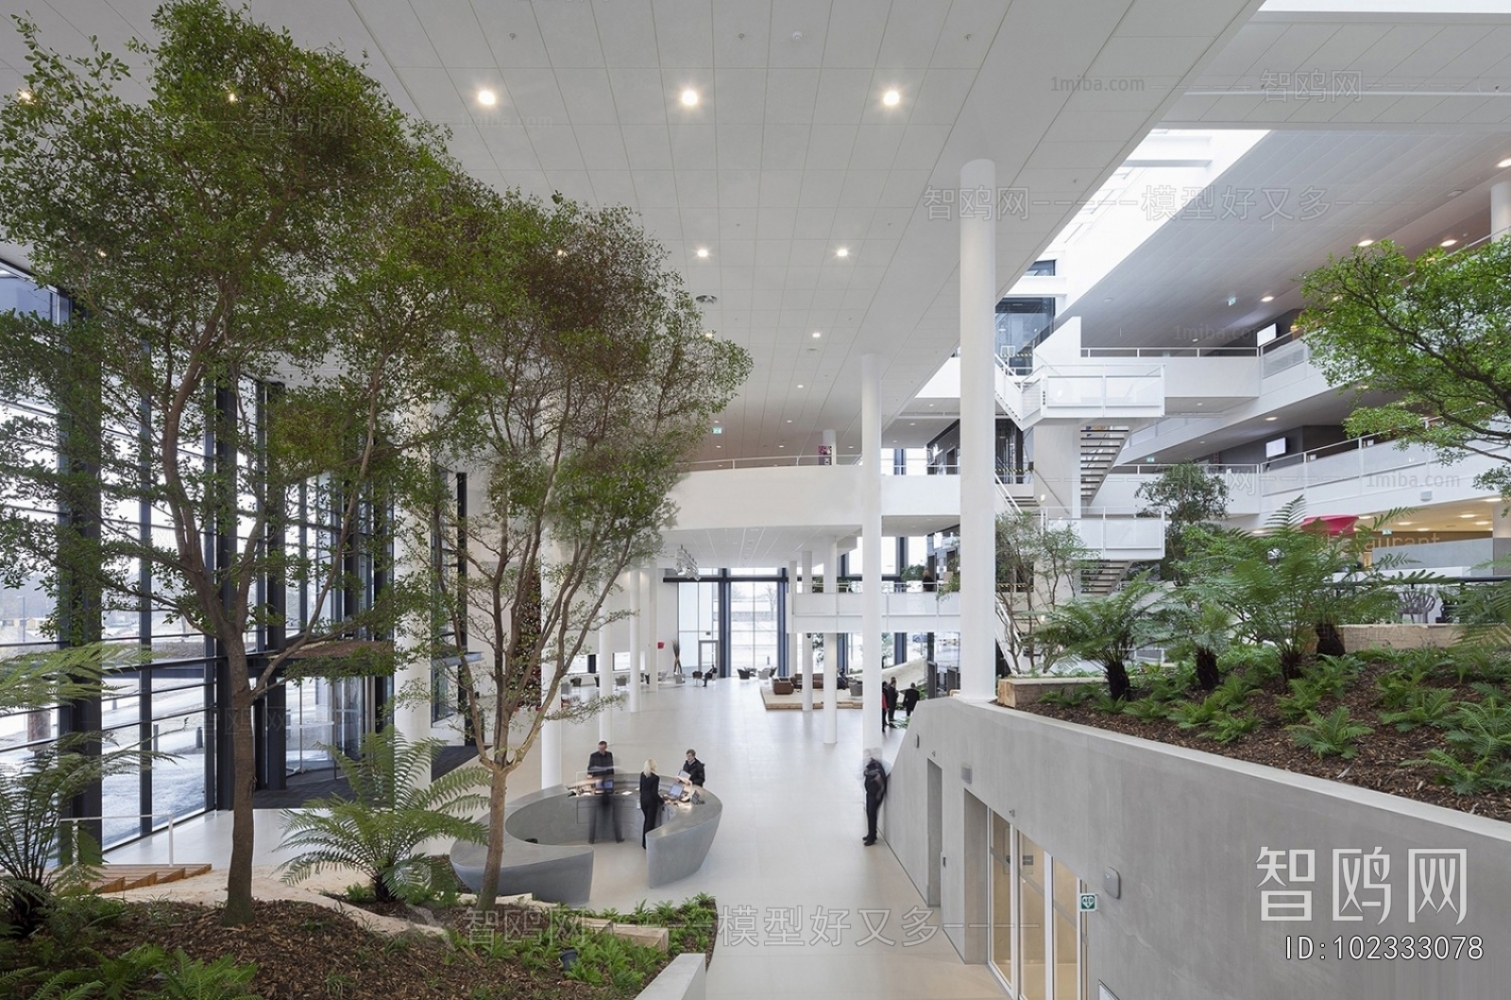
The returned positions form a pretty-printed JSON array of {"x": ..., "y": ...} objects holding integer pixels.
[{"x": 782, "y": 685}]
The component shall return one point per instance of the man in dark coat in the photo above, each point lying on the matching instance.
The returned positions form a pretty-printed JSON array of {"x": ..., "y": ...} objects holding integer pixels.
[
  {"x": 910, "y": 700},
  {"x": 874, "y": 778},
  {"x": 889, "y": 704},
  {"x": 694, "y": 769},
  {"x": 601, "y": 768}
]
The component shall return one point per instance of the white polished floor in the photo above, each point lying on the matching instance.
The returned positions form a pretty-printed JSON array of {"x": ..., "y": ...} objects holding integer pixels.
[{"x": 787, "y": 864}]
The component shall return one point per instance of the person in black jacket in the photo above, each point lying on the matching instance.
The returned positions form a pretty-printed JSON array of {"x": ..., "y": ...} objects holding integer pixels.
[
  {"x": 889, "y": 703},
  {"x": 694, "y": 769},
  {"x": 874, "y": 778},
  {"x": 601, "y": 767},
  {"x": 910, "y": 700},
  {"x": 650, "y": 798}
]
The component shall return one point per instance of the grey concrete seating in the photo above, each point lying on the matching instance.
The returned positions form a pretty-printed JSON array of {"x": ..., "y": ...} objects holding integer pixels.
[{"x": 676, "y": 848}]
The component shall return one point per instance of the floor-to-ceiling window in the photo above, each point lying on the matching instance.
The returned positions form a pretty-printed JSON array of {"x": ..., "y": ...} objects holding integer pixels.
[
  {"x": 1037, "y": 939},
  {"x": 698, "y": 625}
]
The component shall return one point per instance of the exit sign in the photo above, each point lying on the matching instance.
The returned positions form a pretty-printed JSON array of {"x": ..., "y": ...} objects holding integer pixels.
[
  {"x": 1088, "y": 902},
  {"x": 718, "y": 429}
]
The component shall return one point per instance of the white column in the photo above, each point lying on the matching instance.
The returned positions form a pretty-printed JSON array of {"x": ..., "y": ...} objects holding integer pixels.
[
  {"x": 652, "y": 624},
  {"x": 548, "y": 745},
  {"x": 831, "y": 652},
  {"x": 805, "y": 640},
  {"x": 605, "y": 685},
  {"x": 978, "y": 419},
  {"x": 1500, "y": 209},
  {"x": 634, "y": 589},
  {"x": 549, "y": 748},
  {"x": 412, "y": 685},
  {"x": 870, "y": 551}
]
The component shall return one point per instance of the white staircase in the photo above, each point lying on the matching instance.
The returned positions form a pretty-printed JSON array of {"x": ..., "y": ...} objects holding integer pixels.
[
  {"x": 1104, "y": 576},
  {"x": 1100, "y": 448}
]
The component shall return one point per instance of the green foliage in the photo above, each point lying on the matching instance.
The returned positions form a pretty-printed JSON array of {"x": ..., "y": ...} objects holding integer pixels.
[
  {"x": 1071, "y": 697},
  {"x": 603, "y": 959},
  {"x": 1168, "y": 683},
  {"x": 1186, "y": 495},
  {"x": 1037, "y": 563},
  {"x": 1147, "y": 709},
  {"x": 1196, "y": 714},
  {"x": 1431, "y": 334},
  {"x": 1234, "y": 692},
  {"x": 391, "y": 813},
  {"x": 1230, "y": 727},
  {"x": 1483, "y": 774},
  {"x": 1481, "y": 730},
  {"x": 1105, "y": 630},
  {"x": 1332, "y": 735},
  {"x": 33, "y": 793},
  {"x": 1400, "y": 686},
  {"x": 1423, "y": 707}
]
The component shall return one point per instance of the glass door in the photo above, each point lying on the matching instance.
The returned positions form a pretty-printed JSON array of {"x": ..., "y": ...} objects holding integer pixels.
[{"x": 1000, "y": 941}]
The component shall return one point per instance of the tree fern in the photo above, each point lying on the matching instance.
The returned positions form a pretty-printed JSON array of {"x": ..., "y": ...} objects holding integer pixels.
[
  {"x": 379, "y": 829},
  {"x": 1332, "y": 735}
]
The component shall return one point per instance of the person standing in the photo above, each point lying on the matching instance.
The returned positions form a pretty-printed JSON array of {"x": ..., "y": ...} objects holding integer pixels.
[
  {"x": 693, "y": 768},
  {"x": 889, "y": 703},
  {"x": 650, "y": 798},
  {"x": 601, "y": 769},
  {"x": 874, "y": 778},
  {"x": 910, "y": 700}
]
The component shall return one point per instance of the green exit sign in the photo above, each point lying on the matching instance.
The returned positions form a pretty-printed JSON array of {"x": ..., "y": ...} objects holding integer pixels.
[
  {"x": 1088, "y": 902},
  {"x": 718, "y": 430}
]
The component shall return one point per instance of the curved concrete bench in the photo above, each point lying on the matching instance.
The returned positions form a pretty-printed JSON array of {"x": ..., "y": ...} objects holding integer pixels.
[
  {"x": 558, "y": 868},
  {"x": 677, "y": 847}
]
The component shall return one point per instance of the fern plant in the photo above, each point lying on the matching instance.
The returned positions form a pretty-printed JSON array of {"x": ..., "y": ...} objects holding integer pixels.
[
  {"x": 1424, "y": 707},
  {"x": 390, "y": 814},
  {"x": 1147, "y": 709},
  {"x": 1195, "y": 714},
  {"x": 1481, "y": 730},
  {"x": 1483, "y": 775},
  {"x": 1231, "y": 726},
  {"x": 1331, "y": 735}
]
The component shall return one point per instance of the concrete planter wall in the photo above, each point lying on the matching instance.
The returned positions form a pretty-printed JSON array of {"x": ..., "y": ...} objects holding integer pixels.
[
  {"x": 1020, "y": 692},
  {"x": 1170, "y": 840},
  {"x": 1361, "y": 637},
  {"x": 684, "y": 979}
]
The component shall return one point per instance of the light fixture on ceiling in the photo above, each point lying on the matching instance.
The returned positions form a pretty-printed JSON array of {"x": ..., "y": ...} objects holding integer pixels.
[
  {"x": 1405, "y": 524},
  {"x": 1271, "y": 418},
  {"x": 800, "y": 385},
  {"x": 705, "y": 299},
  {"x": 789, "y": 420},
  {"x": 487, "y": 98},
  {"x": 1450, "y": 241},
  {"x": 1267, "y": 298},
  {"x": 1466, "y": 516},
  {"x": 1364, "y": 243},
  {"x": 230, "y": 97},
  {"x": 1232, "y": 300},
  {"x": 1455, "y": 192},
  {"x": 690, "y": 98},
  {"x": 1504, "y": 163},
  {"x": 24, "y": 96},
  {"x": 1483, "y": 524},
  {"x": 703, "y": 253},
  {"x": 817, "y": 334},
  {"x": 842, "y": 252},
  {"x": 891, "y": 98}
]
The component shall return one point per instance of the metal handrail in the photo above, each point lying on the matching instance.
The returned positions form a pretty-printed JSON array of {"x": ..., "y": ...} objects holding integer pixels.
[
  {"x": 1170, "y": 352},
  {"x": 74, "y": 821}
]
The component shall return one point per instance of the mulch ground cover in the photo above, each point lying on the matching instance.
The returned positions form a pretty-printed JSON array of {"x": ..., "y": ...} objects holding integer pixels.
[
  {"x": 306, "y": 951},
  {"x": 1379, "y": 763}
]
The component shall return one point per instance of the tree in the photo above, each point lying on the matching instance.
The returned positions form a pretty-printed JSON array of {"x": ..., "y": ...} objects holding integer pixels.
[
  {"x": 260, "y": 257},
  {"x": 1186, "y": 495},
  {"x": 593, "y": 379},
  {"x": 394, "y": 808},
  {"x": 1105, "y": 629},
  {"x": 1037, "y": 567},
  {"x": 1293, "y": 583},
  {"x": 1434, "y": 332}
]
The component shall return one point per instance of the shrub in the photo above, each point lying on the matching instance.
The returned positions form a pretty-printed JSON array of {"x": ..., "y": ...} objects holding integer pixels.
[
  {"x": 1483, "y": 775},
  {"x": 1227, "y": 728},
  {"x": 1196, "y": 714},
  {"x": 1424, "y": 707},
  {"x": 1332, "y": 735}
]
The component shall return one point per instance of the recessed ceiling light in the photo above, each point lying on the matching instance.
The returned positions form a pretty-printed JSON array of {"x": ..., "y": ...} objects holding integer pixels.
[
  {"x": 719, "y": 446},
  {"x": 230, "y": 97},
  {"x": 891, "y": 98},
  {"x": 1450, "y": 241},
  {"x": 1364, "y": 243},
  {"x": 690, "y": 98},
  {"x": 1482, "y": 523},
  {"x": 24, "y": 96},
  {"x": 789, "y": 421},
  {"x": 781, "y": 446},
  {"x": 1272, "y": 418},
  {"x": 1504, "y": 163},
  {"x": 1466, "y": 516},
  {"x": 800, "y": 385},
  {"x": 487, "y": 98},
  {"x": 842, "y": 252},
  {"x": 703, "y": 251},
  {"x": 1405, "y": 523},
  {"x": 817, "y": 334},
  {"x": 1267, "y": 298}
]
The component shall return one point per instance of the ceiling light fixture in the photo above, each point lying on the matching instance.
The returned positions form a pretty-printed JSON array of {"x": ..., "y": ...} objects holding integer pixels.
[
  {"x": 1504, "y": 163},
  {"x": 24, "y": 96},
  {"x": 1364, "y": 243},
  {"x": 842, "y": 252},
  {"x": 487, "y": 98},
  {"x": 1450, "y": 241},
  {"x": 1267, "y": 298},
  {"x": 690, "y": 98},
  {"x": 1271, "y": 418},
  {"x": 891, "y": 98},
  {"x": 816, "y": 335},
  {"x": 703, "y": 252},
  {"x": 800, "y": 385},
  {"x": 1406, "y": 523},
  {"x": 230, "y": 97}
]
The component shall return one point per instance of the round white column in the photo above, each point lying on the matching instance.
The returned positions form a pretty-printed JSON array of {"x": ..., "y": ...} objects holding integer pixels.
[
  {"x": 831, "y": 652},
  {"x": 652, "y": 625},
  {"x": 978, "y": 427},
  {"x": 1500, "y": 209},
  {"x": 805, "y": 640},
  {"x": 634, "y": 589},
  {"x": 605, "y": 685},
  {"x": 871, "y": 729}
]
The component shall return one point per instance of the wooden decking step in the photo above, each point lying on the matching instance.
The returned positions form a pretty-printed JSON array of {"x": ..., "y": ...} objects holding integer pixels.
[{"x": 119, "y": 878}]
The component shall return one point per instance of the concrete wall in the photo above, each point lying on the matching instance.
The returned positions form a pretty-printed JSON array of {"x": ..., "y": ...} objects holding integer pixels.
[
  {"x": 1185, "y": 830},
  {"x": 685, "y": 978}
]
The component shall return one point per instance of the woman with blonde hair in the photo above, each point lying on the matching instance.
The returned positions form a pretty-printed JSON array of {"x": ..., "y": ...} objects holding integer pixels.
[{"x": 650, "y": 797}]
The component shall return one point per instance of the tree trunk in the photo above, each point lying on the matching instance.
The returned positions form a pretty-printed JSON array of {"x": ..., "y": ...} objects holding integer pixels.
[
  {"x": 1329, "y": 640},
  {"x": 1290, "y": 664},
  {"x": 238, "y": 909},
  {"x": 1118, "y": 684},
  {"x": 1207, "y": 676},
  {"x": 487, "y": 893}
]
